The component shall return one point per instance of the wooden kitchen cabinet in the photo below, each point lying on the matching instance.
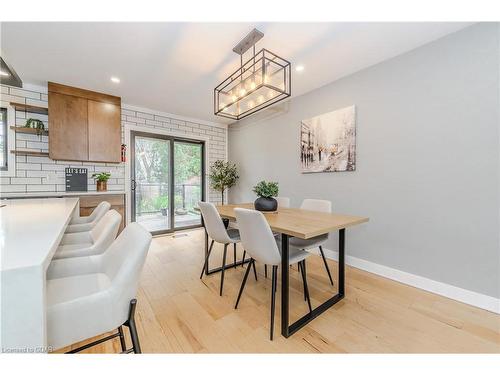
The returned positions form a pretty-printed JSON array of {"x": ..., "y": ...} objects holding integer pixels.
[
  {"x": 84, "y": 125},
  {"x": 104, "y": 131},
  {"x": 68, "y": 127}
]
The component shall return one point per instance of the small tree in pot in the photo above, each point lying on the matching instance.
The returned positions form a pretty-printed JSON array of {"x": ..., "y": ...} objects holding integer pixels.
[
  {"x": 223, "y": 175},
  {"x": 266, "y": 191}
]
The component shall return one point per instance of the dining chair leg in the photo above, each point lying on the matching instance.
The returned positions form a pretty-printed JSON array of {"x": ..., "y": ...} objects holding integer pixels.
[
  {"x": 234, "y": 254},
  {"x": 265, "y": 271},
  {"x": 243, "y": 282},
  {"x": 304, "y": 280},
  {"x": 206, "y": 259},
  {"x": 299, "y": 266},
  {"x": 243, "y": 260},
  {"x": 326, "y": 264},
  {"x": 122, "y": 339},
  {"x": 254, "y": 270},
  {"x": 273, "y": 298},
  {"x": 223, "y": 269}
]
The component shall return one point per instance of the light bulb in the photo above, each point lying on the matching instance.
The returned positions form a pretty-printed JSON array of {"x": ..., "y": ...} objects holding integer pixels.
[
  {"x": 243, "y": 92},
  {"x": 270, "y": 94},
  {"x": 260, "y": 99},
  {"x": 252, "y": 85},
  {"x": 234, "y": 98},
  {"x": 250, "y": 104}
]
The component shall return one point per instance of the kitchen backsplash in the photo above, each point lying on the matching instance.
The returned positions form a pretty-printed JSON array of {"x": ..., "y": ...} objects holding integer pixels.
[{"x": 41, "y": 174}]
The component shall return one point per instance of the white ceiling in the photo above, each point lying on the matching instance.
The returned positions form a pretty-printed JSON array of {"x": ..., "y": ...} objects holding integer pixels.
[{"x": 174, "y": 67}]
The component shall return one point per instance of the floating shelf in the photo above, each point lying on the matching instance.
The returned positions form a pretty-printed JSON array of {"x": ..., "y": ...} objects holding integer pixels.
[
  {"x": 20, "y": 129},
  {"x": 30, "y": 108},
  {"x": 29, "y": 153}
]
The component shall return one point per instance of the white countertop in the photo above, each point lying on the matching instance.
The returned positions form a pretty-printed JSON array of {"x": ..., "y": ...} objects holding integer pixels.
[
  {"x": 59, "y": 194},
  {"x": 30, "y": 230}
]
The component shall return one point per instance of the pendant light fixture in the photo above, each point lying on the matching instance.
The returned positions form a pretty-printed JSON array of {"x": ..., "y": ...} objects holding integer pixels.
[{"x": 263, "y": 80}]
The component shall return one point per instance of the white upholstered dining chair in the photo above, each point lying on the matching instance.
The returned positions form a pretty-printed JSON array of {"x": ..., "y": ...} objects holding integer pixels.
[
  {"x": 283, "y": 202},
  {"x": 89, "y": 296},
  {"x": 318, "y": 205},
  {"x": 93, "y": 242},
  {"x": 86, "y": 223},
  {"x": 260, "y": 243},
  {"x": 218, "y": 233}
]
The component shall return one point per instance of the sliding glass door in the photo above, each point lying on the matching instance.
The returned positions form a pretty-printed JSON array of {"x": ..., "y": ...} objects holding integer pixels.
[
  {"x": 167, "y": 181},
  {"x": 188, "y": 178}
]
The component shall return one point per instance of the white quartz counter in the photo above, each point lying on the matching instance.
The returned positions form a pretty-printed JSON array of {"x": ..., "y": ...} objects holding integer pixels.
[
  {"x": 59, "y": 194},
  {"x": 30, "y": 231}
]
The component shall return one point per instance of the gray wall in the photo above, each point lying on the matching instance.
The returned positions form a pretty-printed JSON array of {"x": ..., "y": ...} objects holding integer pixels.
[{"x": 427, "y": 159}]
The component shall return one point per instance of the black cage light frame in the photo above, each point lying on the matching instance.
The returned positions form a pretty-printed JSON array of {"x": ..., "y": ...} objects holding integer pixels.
[{"x": 262, "y": 64}]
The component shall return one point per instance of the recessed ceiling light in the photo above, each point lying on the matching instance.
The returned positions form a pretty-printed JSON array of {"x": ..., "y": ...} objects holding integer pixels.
[
  {"x": 115, "y": 79},
  {"x": 5, "y": 74},
  {"x": 299, "y": 68}
]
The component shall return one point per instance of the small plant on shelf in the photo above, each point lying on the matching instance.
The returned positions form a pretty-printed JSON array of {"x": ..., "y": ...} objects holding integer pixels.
[
  {"x": 101, "y": 180},
  {"x": 35, "y": 124},
  {"x": 266, "y": 191}
]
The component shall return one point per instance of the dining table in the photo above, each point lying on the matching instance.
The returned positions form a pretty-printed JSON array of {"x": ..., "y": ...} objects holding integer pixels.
[{"x": 304, "y": 224}]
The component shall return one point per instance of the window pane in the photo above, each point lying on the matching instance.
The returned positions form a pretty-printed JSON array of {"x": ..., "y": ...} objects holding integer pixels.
[{"x": 187, "y": 184}]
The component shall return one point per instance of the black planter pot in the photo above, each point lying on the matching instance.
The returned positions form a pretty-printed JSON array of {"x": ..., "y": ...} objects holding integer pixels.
[{"x": 266, "y": 204}]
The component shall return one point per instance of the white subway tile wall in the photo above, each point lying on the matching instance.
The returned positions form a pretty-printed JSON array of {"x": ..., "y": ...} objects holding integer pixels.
[{"x": 41, "y": 174}]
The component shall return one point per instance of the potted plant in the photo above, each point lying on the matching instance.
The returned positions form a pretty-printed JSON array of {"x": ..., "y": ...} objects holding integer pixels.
[
  {"x": 101, "y": 180},
  {"x": 35, "y": 124},
  {"x": 265, "y": 192},
  {"x": 222, "y": 176}
]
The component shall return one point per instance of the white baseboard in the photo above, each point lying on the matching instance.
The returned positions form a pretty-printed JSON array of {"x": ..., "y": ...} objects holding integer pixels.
[{"x": 463, "y": 295}]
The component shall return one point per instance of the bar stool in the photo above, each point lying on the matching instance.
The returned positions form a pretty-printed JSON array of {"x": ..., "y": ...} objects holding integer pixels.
[
  {"x": 89, "y": 296},
  {"x": 86, "y": 223},
  {"x": 93, "y": 242},
  {"x": 260, "y": 243}
]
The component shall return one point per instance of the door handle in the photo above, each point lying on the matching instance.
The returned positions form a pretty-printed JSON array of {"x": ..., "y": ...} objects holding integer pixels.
[{"x": 133, "y": 184}]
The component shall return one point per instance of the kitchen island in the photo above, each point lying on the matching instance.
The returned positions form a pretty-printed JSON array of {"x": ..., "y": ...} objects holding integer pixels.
[{"x": 30, "y": 231}]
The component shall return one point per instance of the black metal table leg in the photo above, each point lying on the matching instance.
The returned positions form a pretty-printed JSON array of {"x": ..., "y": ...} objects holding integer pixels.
[
  {"x": 288, "y": 330},
  {"x": 285, "y": 267}
]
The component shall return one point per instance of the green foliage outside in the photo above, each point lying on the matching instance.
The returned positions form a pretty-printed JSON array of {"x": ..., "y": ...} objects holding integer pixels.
[
  {"x": 266, "y": 189},
  {"x": 153, "y": 175}
]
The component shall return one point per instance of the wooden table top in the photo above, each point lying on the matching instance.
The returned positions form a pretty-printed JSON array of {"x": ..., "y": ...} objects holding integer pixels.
[{"x": 297, "y": 222}]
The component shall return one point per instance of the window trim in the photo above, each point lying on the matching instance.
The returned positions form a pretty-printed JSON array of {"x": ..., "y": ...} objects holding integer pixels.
[{"x": 11, "y": 141}]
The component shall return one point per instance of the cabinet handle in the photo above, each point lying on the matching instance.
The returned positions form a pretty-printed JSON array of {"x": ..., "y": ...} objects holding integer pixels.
[{"x": 133, "y": 185}]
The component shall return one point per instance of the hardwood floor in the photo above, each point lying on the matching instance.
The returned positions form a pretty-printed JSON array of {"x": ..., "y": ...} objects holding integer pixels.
[{"x": 179, "y": 313}]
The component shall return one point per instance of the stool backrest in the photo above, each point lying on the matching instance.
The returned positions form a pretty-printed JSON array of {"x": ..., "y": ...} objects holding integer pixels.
[
  {"x": 99, "y": 211},
  {"x": 106, "y": 229},
  {"x": 122, "y": 263}
]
